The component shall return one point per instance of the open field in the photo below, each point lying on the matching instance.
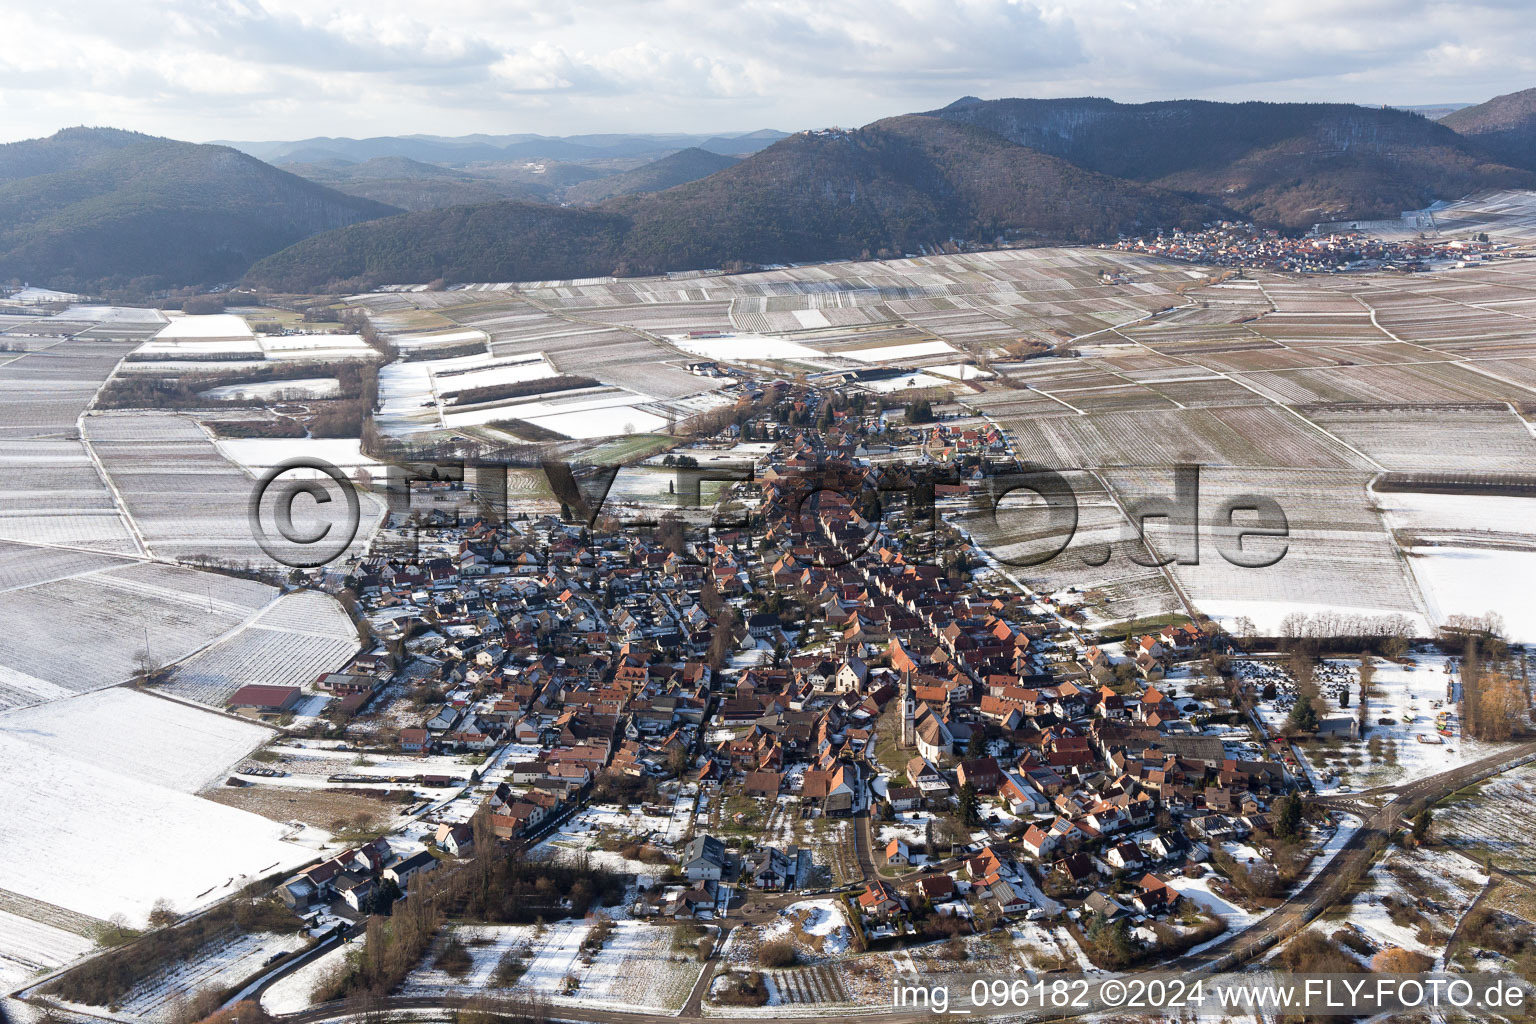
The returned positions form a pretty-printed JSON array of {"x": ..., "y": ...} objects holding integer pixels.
[
  {"x": 28, "y": 947},
  {"x": 141, "y": 737},
  {"x": 165, "y": 844},
  {"x": 1338, "y": 551},
  {"x": 45, "y": 391},
  {"x": 51, "y": 493},
  {"x": 1412, "y": 899},
  {"x": 184, "y": 497},
  {"x": 327, "y": 809},
  {"x": 96, "y": 617}
]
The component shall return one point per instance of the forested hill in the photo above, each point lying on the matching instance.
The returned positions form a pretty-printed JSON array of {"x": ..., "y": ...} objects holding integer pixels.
[
  {"x": 893, "y": 187},
  {"x": 1505, "y": 126},
  {"x": 675, "y": 169},
  {"x": 93, "y": 209},
  {"x": 1289, "y": 164}
]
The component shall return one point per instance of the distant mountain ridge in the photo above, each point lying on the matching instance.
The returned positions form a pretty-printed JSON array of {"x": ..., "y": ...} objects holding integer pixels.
[
  {"x": 88, "y": 209},
  {"x": 892, "y": 187},
  {"x": 93, "y": 206},
  {"x": 502, "y": 148},
  {"x": 1291, "y": 164}
]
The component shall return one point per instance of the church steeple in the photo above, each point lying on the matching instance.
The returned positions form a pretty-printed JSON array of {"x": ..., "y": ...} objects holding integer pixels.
[{"x": 908, "y": 712}]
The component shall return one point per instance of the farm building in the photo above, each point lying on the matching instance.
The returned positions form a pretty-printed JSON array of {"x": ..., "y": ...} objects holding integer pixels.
[{"x": 256, "y": 701}]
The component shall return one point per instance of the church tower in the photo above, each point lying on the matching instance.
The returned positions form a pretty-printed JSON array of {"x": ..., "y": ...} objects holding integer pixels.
[{"x": 908, "y": 712}]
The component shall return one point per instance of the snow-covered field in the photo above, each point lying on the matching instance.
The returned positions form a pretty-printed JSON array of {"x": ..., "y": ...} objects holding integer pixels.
[
  {"x": 83, "y": 628},
  {"x": 304, "y": 387},
  {"x": 203, "y": 327},
  {"x": 136, "y": 735},
  {"x": 258, "y": 454},
  {"x": 92, "y": 839},
  {"x": 897, "y": 353},
  {"x": 315, "y": 346},
  {"x": 1471, "y": 581},
  {"x": 1471, "y": 553},
  {"x": 450, "y": 376},
  {"x": 609, "y": 421},
  {"x": 737, "y": 347},
  {"x": 188, "y": 500},
  {"x": 1498, "y": 819},
  {"x": 912, "y": 380},
  {"x": 28, "y": 947}
]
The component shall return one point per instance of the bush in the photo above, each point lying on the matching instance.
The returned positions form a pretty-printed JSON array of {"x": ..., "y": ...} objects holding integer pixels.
[
  {"x": 454, "y": 958},
  {"x": 1312, "y": 953},
  {"x": 1398, "y": 960},
  {"x": 780, "y": 953},
  {"x": 743, "y": 990},
  {"x": 512, "y": 966}
]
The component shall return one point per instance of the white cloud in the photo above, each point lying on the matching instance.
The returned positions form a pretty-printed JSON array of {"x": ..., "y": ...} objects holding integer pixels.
[{"x": 294, "y": 68}]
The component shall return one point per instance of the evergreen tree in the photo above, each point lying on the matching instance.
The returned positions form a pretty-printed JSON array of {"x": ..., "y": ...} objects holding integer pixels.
[{"x": 970, "y": 806}]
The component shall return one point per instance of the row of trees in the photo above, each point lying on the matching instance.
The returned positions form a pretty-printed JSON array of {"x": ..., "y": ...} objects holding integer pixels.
[{"x": 1494, "y": 703}]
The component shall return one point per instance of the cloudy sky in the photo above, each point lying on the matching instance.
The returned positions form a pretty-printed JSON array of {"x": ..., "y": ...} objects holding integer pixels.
[{"x": 290, "y": 69}]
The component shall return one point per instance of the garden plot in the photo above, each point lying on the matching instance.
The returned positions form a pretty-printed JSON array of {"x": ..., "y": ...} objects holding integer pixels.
[
  {"x": 1413, "y": 900},
  {"x": 818, "y": 929},
  {"x": 863, "y": 983},
  {"x": 1233, "y": 915},
  {"x": 596, "y": 833},
  {"x": 95, "y": 624},
  {"x": 300, "y": 637},
  {"x": 637, "y": 969},
  {"x": 221, "y": 964},
  {"x": 164, "y": 844},
  {"x": 139, "y": 736}
]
